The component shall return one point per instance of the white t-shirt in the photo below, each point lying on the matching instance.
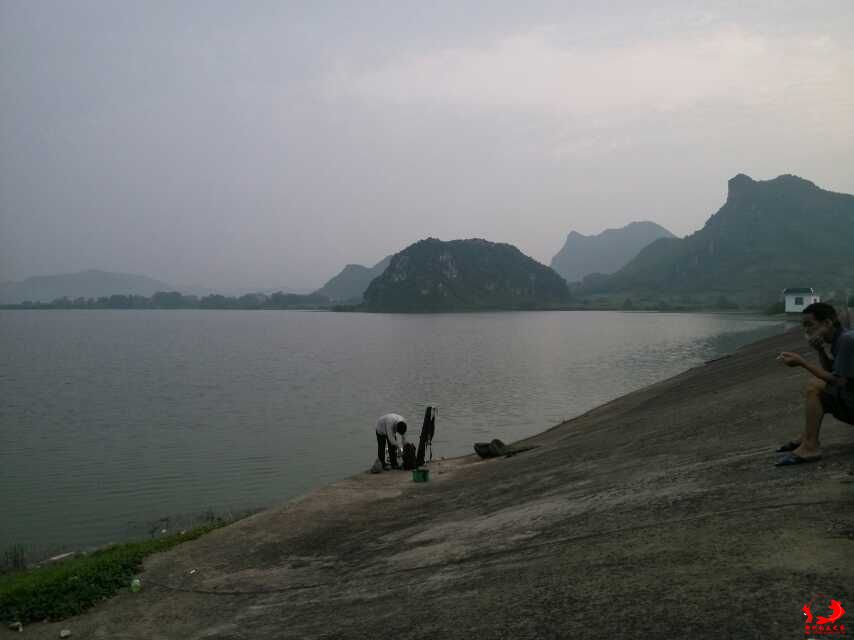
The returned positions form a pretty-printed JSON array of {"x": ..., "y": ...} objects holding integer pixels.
[{"x": 385, "y": 427}]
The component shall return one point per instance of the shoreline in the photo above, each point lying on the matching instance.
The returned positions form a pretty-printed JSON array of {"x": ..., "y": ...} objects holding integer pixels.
[
  {"x": 639, "y": 502},
  {"x": 711, "y": 310}
]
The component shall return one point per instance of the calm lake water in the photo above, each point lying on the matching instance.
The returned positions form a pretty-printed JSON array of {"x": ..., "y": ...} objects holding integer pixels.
[{"x": 110, "y": 420}]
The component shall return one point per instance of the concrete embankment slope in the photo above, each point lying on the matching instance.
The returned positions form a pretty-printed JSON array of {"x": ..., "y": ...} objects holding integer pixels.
[{"x": 658, "y": 515}]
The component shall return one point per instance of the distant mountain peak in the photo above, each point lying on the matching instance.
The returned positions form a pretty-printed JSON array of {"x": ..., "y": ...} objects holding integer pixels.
[
  {"x": 768, "y": 235},
  {"x": 350, "y": 283},
  {"x": 738, "y": 186},
  {"x": 91, "y": 283},
  {"x": 637, "y": 224},
  {"x": 743, "y": 185},
  {"x": 741, "y": 178},
  {"x": 791, "y": 178},
  {"x": 455, "y": 275},
  {"x": 605, "y": 252}
]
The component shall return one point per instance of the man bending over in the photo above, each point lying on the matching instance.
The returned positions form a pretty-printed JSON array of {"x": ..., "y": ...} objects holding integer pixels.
[
  {"x": 831, "y": 390},
  {"x": 391, "y": 430}
]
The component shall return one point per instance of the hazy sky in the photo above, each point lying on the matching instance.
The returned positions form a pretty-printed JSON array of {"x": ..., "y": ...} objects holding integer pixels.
[{"x": 267, "y": 144}]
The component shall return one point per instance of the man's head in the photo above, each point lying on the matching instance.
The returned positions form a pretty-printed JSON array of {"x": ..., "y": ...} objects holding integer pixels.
[
  {"x": 820, "y": 321},
  {"x": 400, "y": 427}
]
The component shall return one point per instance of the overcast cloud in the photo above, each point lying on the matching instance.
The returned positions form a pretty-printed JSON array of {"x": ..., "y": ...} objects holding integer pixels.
[{"x": 267, "y": 144}]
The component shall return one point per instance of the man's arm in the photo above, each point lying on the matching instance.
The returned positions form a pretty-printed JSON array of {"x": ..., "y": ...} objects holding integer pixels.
[
  {"x": 823, "y": 374},
  {"x": 796, "y": 360},
  {"x": 826, "y": 361},
  {"x": 393, "y": 436}
]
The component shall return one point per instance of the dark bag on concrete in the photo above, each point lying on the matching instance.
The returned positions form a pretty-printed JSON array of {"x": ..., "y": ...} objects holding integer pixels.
[
  {"x": 409, "y": 456},
  {"x": 496, "y": 448},
  {"x": 490, "y": 449}
]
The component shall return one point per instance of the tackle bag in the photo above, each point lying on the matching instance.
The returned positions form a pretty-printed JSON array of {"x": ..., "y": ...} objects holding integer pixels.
[{"x": 409, "y": 456}]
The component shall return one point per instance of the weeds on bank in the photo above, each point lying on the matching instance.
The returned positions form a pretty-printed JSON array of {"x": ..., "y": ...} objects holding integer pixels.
[{"x": 54, "y": 592}]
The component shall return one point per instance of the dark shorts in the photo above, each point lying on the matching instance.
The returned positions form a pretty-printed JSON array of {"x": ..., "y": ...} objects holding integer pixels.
[{"x": 839, "y": 402}]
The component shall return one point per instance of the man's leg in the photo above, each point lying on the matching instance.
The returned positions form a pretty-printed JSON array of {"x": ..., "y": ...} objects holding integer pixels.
[
  {"x": 814, "y": 413},
  {"x": 381, "y": 448}
]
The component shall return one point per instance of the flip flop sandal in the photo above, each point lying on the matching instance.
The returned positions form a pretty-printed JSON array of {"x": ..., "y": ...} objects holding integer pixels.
[
  {"x": 791, "y": 458},
  {"x": 791, "y": 445}
]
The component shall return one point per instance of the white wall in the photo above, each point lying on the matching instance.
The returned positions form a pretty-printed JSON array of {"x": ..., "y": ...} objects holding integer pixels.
[{"x": 797, "y": 303}]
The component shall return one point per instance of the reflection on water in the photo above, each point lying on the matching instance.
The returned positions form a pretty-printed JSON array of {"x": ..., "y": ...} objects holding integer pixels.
[{"x": 112, "y": 419}]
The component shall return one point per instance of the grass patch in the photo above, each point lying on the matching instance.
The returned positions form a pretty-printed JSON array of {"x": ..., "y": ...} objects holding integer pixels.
[{"x": 54, "y": 592}]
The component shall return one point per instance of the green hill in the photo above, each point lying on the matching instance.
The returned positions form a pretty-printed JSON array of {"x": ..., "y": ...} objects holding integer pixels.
[
  {"x": 769, "y": 235},
  {"x": 350, "y": 284},
  {"x": 606, "y": 252},
  {"x": 432, "y": 275}
]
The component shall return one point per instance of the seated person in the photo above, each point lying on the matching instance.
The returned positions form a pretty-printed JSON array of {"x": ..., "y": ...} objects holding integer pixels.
[
  {"x": 389, "y": 427},
  {"x": 831, "y": 390}
]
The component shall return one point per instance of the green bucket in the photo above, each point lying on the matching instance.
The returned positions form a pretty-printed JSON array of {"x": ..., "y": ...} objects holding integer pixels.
[{"x": 420, "y": 475}]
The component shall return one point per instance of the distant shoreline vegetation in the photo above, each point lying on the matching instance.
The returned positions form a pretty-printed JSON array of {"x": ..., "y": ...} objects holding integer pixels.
[
  {"x": 248, "y": 302},
  {"x": 177, "y": 300},
  {"x": 315, "y": 302}
]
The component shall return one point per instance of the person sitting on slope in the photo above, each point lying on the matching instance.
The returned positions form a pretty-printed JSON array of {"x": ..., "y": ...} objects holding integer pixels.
[{"x": 831, "y": 390}]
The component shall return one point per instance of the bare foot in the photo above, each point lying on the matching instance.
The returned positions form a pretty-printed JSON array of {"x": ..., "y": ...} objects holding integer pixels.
[{"x": 804, "y": 451}]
